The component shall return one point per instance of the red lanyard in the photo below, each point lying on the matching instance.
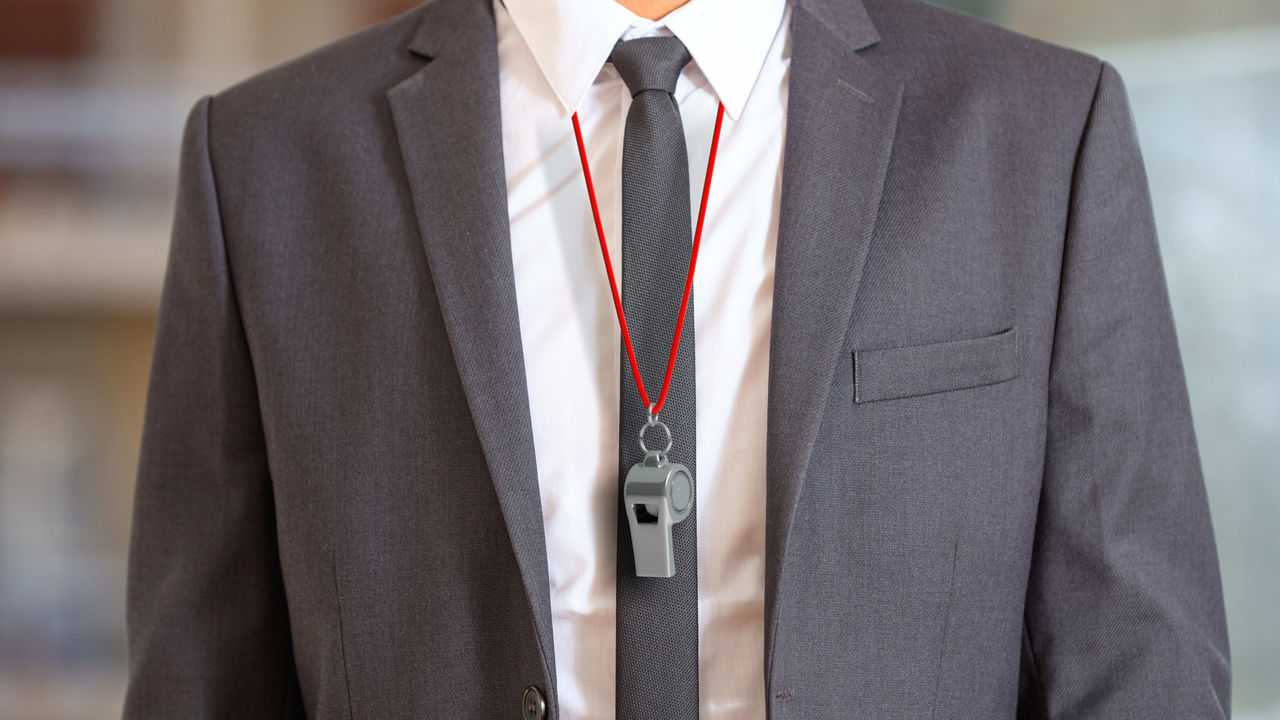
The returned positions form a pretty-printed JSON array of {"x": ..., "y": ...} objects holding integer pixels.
[{"x": 608, "y": 267}]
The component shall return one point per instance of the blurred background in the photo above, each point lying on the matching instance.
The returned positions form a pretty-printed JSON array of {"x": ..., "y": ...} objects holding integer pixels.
[{"x": 93, "y": 94}]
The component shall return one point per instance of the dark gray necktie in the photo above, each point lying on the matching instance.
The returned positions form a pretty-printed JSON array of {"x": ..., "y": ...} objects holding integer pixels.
[{"x": 657, "y": 655}]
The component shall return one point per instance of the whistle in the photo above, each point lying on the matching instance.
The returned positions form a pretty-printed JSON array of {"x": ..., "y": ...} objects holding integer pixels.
[{"x": 656, "y": 494}]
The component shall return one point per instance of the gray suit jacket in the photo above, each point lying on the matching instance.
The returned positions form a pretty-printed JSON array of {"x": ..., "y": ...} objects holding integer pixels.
[{"x": 984, "y": 497}]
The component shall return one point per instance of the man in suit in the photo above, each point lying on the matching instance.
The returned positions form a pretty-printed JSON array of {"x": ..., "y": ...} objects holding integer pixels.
[{"x": 928, "y": 382}]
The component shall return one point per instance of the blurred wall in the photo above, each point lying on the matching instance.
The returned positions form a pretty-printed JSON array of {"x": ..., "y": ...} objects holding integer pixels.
[{"x": 93, "y": 94}]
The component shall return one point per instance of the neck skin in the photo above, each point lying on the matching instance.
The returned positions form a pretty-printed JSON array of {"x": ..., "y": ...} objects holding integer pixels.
[{"x": 650, "y": 9}]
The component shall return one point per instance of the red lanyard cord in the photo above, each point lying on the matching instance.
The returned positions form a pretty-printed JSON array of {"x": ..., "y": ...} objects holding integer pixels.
[{"x": 608, "y": 267}]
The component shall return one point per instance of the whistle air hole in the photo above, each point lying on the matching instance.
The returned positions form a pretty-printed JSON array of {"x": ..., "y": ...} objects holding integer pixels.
[{"x": 646, "y": 514}]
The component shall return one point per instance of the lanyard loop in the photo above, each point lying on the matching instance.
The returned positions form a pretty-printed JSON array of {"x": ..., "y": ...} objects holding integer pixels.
[{"x": 653, "y": 407}]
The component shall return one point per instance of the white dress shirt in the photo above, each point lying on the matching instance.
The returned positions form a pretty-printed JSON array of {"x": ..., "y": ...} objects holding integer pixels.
[{"x": 552, "y": 57}]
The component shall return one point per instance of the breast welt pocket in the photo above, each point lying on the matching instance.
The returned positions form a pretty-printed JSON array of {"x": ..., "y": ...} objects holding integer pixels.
[{"x": 899, "y": 372}]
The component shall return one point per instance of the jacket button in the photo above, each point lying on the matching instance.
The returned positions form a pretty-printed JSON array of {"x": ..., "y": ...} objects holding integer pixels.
[{"x": 533, "y": 704}]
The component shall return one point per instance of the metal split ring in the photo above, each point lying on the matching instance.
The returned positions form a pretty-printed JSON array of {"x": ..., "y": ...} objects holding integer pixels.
[{"x": 653, "y": 421}]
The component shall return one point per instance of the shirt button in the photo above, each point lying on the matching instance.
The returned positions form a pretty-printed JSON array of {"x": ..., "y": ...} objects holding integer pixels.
[{"x": 533, "y": 704}]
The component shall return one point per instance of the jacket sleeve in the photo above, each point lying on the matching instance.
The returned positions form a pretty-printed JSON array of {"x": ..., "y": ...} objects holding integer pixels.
[
  {"x": 1124, "y": 614},
  {"x": 208, "y": 630}
]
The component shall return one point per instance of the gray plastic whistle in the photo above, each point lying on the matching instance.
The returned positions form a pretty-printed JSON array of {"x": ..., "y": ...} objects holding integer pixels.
[{"x": 657, "y": 494}]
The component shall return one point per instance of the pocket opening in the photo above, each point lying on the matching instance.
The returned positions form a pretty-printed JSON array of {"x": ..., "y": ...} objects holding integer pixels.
[{"x": 913, "y": 370}]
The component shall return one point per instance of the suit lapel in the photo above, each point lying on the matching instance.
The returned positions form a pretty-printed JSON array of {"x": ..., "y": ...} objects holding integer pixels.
[
  {"x": 448, "y": 122},
  {"x": 841, "y": 117}
]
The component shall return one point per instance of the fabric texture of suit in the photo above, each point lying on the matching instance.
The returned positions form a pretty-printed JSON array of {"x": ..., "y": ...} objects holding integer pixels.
[{"x": 984, "y": 497}]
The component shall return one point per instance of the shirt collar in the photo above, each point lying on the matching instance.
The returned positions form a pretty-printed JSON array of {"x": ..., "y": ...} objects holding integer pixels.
[{"x": 571, "y": 41}]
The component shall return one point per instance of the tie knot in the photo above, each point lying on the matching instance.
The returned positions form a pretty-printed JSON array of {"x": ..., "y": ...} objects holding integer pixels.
[{"x": 650, "y": 63}]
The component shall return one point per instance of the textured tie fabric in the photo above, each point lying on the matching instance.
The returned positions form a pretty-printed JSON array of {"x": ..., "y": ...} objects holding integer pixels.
[{"x": 657, "y": 625}]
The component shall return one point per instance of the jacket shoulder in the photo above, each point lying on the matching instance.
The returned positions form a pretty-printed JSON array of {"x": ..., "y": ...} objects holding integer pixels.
[
  {"x": 984, "y": 88},
  {"x": 939, "y": 48},
  {"x": 324, "y": 83}
]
